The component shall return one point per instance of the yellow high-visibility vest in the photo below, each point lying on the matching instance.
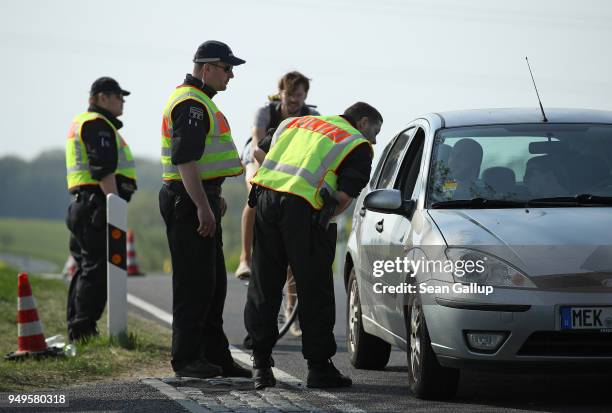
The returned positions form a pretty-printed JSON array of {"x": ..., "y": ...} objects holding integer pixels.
[
  {"x": 77, "y": 161},
  {"x": 306, "y": 156},
  {"x": 220, "y": 156}
]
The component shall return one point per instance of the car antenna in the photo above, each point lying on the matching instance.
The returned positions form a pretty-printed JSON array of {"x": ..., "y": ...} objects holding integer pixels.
[{"x": 536, "y": 89}]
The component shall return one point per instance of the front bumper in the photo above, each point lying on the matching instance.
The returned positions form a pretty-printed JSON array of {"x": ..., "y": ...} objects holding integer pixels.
[{"x": 531, "y": 319}]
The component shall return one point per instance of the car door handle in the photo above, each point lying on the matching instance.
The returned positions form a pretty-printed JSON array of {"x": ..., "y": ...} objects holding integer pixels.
[
  {"x": 362, "y": 212},
  {"x": 379, "y": 225}
]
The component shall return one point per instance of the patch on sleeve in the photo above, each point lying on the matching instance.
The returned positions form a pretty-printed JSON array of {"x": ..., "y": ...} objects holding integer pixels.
[
  {"x": 196, "y": 113},
  {"x": 105, "y": 139}
]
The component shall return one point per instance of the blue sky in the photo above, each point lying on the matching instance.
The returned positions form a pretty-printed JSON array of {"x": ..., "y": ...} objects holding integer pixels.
[{"x": 406, "y": 57}]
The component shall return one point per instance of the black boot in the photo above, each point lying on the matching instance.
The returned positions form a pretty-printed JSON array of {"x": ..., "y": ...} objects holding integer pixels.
[
  {"x": 262, "y": 373},
  {"x": 323, "y": 374},
  {"x": 248, "y": 342},
  {"x": 83, "y": 335},
  {"x": 201, "y": 369},
  {"x": 235, "y": 370}
]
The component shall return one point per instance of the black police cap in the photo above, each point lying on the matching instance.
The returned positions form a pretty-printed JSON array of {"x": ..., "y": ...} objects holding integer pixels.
[
  {"x": 215, "y": 51},
  {"x": 107, "y": 85}
]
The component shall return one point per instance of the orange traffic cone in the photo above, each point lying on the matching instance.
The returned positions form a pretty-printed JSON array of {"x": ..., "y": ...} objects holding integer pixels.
[
  {"x": 30, "y": 336},
  {"x": 132, "y": 262}
]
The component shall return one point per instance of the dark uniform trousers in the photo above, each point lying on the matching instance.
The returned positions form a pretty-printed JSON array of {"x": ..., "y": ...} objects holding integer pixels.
[
  {"x": 199, "y": 279},
  {"x": 285, "y": 234},
  {"x": 86, "y": 220}
]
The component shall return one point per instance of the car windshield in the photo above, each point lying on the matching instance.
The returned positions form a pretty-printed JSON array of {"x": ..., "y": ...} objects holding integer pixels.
[{"x": 545, "y": 163}]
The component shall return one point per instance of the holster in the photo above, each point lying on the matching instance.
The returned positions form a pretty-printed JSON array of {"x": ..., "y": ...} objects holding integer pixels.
[
  {"x": 326, "y": 213},
  {"x": 97, "y": 205},
  {"x": 252, "y": 201}
]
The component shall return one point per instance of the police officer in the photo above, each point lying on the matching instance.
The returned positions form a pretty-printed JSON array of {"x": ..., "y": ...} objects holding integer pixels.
[
  {"x": 198, "y": 153},
  {"x": 311, "y": 157},
  {"x": 99, "y": 162}
]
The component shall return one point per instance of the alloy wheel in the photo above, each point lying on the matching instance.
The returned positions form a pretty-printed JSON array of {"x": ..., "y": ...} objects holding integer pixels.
[
  {"x": 415, "y": 341},
  {"x": 353, "y": 316}
]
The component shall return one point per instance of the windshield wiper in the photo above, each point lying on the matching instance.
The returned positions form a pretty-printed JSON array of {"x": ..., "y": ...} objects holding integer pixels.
[
  {"x": 478, "y": 203},
  {"x": 558, "y": 201},
  {"x": 578, "y": 200}
]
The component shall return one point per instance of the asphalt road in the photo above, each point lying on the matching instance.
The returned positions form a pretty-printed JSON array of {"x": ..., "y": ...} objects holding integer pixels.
[
  {"x": 120, "y": 396},
  {"x": 386, "y": 391}
]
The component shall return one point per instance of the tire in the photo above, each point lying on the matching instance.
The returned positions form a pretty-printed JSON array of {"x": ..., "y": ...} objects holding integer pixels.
[
  {"x": 427, "y": 379},
  {"x": 365, "y": 350}
]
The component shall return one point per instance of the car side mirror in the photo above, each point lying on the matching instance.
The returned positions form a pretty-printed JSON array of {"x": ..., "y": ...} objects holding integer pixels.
[{"x": 389, "y": 201}]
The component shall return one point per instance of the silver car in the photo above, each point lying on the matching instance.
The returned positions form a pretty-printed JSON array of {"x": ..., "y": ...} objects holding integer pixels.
[{"x": 527, "y": 201}]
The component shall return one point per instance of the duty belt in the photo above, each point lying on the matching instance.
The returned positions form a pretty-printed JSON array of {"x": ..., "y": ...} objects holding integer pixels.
[
  {"x": 91, "y": 197},
  {"x": 178, "y": 186}
]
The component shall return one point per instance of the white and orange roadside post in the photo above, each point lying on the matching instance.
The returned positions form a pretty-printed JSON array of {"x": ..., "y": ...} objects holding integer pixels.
[{"x": 116, "y": 228}]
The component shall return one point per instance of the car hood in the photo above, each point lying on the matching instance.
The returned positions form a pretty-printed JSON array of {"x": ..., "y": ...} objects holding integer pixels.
[{"x": 540, "y": 241}]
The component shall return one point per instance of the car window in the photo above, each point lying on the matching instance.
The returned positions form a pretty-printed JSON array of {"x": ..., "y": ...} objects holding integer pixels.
[
  {"x": 411, "y": 165},
  {"x": 391, "y": 162},
  {"x": 379, "y": 165},
  {"x": 521, "y": 162}
]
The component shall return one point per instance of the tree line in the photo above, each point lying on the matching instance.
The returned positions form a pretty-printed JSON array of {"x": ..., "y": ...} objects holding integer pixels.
[{"x": 37, "y": 189}]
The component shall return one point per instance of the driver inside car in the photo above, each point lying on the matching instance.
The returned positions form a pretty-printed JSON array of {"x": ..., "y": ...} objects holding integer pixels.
[{"x": 464, "y": 167}]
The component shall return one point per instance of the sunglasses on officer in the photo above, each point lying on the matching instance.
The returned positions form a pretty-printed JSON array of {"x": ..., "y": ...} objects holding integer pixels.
[
  {"x": 118, "y": 95},
  {"x": 226, "y": 68}
]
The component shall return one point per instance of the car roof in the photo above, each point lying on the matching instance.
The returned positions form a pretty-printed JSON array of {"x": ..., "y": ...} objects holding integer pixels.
[{"x": 493, "y": 116}]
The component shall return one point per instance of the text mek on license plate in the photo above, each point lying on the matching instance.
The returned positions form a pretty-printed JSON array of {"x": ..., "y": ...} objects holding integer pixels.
[{"x": 586, "y": 318}]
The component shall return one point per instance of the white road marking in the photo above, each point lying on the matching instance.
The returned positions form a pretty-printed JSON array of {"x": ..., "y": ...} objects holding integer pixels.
[
  {"x": 150, "y": 308},
  {"x": 245, "y": 358}
]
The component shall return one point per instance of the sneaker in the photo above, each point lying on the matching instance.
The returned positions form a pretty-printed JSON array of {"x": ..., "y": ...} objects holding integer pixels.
[
  {"x": 295, "y": 329},
  {"x": 262, "y": 373},
  {"x": 235, "y": 370},
  {"x": 243, "y": 272},
  {"x": 324, "y": 374},
  {"x": 201, "y": 369}
]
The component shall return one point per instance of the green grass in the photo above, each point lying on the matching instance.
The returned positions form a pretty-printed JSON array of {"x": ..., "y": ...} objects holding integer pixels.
[
  {"x": 37, "y": 238},
  {"x": 48, "y": 239},
  {"x": 146, "y": 351}
]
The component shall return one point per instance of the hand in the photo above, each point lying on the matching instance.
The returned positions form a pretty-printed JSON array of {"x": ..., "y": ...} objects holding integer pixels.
[
  {"x": 259, "y": 155},
  {"x": 207, "y": 222},
  {"x": 222, "y": 206},
  {"x": 344, "y": 201}
]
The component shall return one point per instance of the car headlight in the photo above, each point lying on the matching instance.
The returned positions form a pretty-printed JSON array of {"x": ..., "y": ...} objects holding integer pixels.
[{"x": 471, "y": 266}]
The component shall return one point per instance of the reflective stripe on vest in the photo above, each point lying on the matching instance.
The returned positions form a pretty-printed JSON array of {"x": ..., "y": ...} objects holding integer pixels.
[
  {"x": 122, "y": 163},
  {"x": 77, "y": 161},
  {"x": 220, "y": 157},
  {"x": 327, "y": 140}
]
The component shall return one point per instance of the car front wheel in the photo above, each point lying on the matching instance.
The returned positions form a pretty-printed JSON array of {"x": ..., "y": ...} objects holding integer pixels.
[
  {"x": 426, "y": 378},
  {"x": 365, "y": 350}
]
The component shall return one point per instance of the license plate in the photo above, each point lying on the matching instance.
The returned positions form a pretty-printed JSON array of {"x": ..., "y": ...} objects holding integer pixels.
[{"x": 586, "y": 318}]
